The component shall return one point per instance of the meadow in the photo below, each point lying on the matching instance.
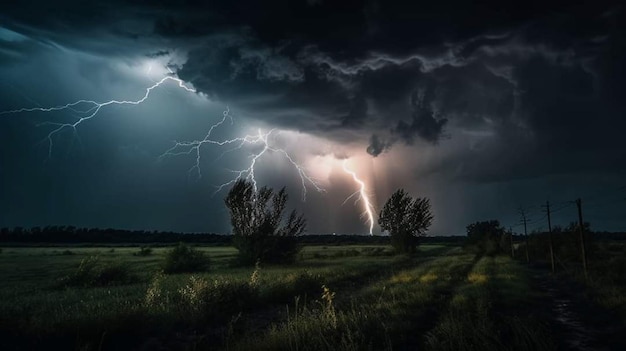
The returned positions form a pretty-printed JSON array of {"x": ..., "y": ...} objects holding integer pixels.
[{"x": 342, "y": 297}]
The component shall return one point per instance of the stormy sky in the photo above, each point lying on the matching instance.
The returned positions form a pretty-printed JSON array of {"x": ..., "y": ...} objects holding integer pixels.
[{"x": 482, "y": 108}]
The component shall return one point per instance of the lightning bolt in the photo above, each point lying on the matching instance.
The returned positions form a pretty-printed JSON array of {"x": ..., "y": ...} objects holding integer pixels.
[
  {"x": 92, "y": 109},
  {"x": 363, "y": 196},
  {"x": 193, "y": 147}
]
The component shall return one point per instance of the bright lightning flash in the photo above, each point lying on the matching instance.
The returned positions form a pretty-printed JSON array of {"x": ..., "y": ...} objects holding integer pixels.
[
  {"x": 193, "y": 147},
  {"x": 92, "y": 108},
  {"x": 363, "y": 196}
]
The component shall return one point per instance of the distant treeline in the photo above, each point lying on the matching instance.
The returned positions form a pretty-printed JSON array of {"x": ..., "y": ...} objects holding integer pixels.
[{"x": 73, "y": 235}]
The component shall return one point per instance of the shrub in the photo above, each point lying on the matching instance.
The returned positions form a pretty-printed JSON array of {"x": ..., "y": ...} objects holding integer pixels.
[
  {"x": 90, "y": 272},
  {"x": 155, "y": 297},
  {"x": 184, "y": 259},
  {"x": 144, "y": 251},
  {"x": 67, "y": 253},
  {"x": 486, "y": 237},
  {"x": 218, "y": 297},
  {"x": 255, "y": 278}
]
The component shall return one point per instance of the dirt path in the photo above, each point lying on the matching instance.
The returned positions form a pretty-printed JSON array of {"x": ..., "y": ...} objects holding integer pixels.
[{"x": 576, "y": 322}]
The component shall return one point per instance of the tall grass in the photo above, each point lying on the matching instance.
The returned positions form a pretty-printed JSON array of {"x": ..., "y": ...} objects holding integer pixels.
[
  {"x": 477, "y": 318},
  {"x": 437, "y": 301},
  {"x": 374, "y": 318},
  {"x": 91, "y": 273}
]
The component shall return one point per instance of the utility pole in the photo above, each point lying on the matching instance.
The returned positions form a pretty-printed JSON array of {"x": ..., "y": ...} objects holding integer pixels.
[
  {"x": 550, "y": 236},
  {"x": 511, "y": 237},
  {"x": 581, "y": 229},
  {"x": 523, "y": 214}
]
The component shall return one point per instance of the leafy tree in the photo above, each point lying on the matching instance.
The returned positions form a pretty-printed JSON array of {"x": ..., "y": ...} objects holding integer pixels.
[
  {"x": 486, "y": 236},
  {"x": 405, "y": 219},
  {"x": 259, "y": 229}
]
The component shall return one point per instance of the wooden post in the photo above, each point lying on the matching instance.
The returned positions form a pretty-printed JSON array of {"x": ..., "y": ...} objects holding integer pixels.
[
  {"x": 581, "y": 230},
  {"x": 511, "y": 237},
  {"x": 522, "y": 213},
  {"x": 550, "y": 235}
]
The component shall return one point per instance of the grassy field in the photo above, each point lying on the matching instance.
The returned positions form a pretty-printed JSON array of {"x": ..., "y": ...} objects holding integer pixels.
[{"x": 334, "y": 297}]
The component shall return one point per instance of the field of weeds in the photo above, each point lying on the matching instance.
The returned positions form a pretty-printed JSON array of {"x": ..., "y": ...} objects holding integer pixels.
[{"x": 332, "y": 298}]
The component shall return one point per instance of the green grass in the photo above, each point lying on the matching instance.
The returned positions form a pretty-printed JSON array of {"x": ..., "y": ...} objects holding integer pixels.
[
  {"x": 379, "y": 315},
  {"x": 606, "y": 280},
  {"x": 489, "y": 312},
  {"x": 33, "y": 308},
  {"x": 353, "y": 297}
]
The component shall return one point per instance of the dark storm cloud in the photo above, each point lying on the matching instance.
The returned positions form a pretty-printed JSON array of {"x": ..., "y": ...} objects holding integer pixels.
[
  {"x": 377, "y": 146},
  {"x": 496, "y": 90},
  {"x": 424, "y": 123},
  {"x": 400, "y": 70},
  {"x": 327, "y": 67},
  {"x": 476, "y": 74}
]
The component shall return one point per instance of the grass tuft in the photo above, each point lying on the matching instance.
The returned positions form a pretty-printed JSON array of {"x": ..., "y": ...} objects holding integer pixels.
[{"x": 92, "y": 273}]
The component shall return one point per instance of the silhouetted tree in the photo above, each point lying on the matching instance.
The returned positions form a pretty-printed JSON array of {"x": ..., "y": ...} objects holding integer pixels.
[
  {"x": 259, "y": 230},
  {"x": 405, "y": 219},
  {"x": 486, "y": 236}
]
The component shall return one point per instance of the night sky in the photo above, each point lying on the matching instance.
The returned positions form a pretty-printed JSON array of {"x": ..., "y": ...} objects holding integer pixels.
[{"x": 482, "y": 108}]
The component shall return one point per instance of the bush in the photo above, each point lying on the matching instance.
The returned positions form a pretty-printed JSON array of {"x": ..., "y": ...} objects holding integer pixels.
[
  {"x": 90, "y": 272},
  {"x": 144, "y": 251},
  {"x": 218, "y": 297},
  {"x": 487, "y": 238},
  {"x": 156, "y": 298},
  {"x": 67, "y": 253},
  {"x": 184, "y": 259}
]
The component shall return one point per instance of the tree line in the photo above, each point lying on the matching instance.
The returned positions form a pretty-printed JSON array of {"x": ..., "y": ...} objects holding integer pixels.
[{"x": 77, "y": 235}]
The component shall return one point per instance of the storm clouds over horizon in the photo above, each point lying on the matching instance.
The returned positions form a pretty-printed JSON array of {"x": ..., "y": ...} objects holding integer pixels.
[{"x": 482, "y": 108}]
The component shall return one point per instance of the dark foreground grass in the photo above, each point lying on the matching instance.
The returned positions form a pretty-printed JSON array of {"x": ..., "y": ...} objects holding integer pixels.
[
  {"x": 332, "y": 298},
  {"x": 55, "y": 300},
  {"x": 381, "y": 315},
  {"x": 490, "y": 311}
]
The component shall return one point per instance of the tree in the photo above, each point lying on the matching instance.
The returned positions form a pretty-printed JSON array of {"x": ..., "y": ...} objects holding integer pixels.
[
  {"x": 486, "y": 236},
  {"x": 259, "y": 229},
  {"x": 405, "y": 219}
]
